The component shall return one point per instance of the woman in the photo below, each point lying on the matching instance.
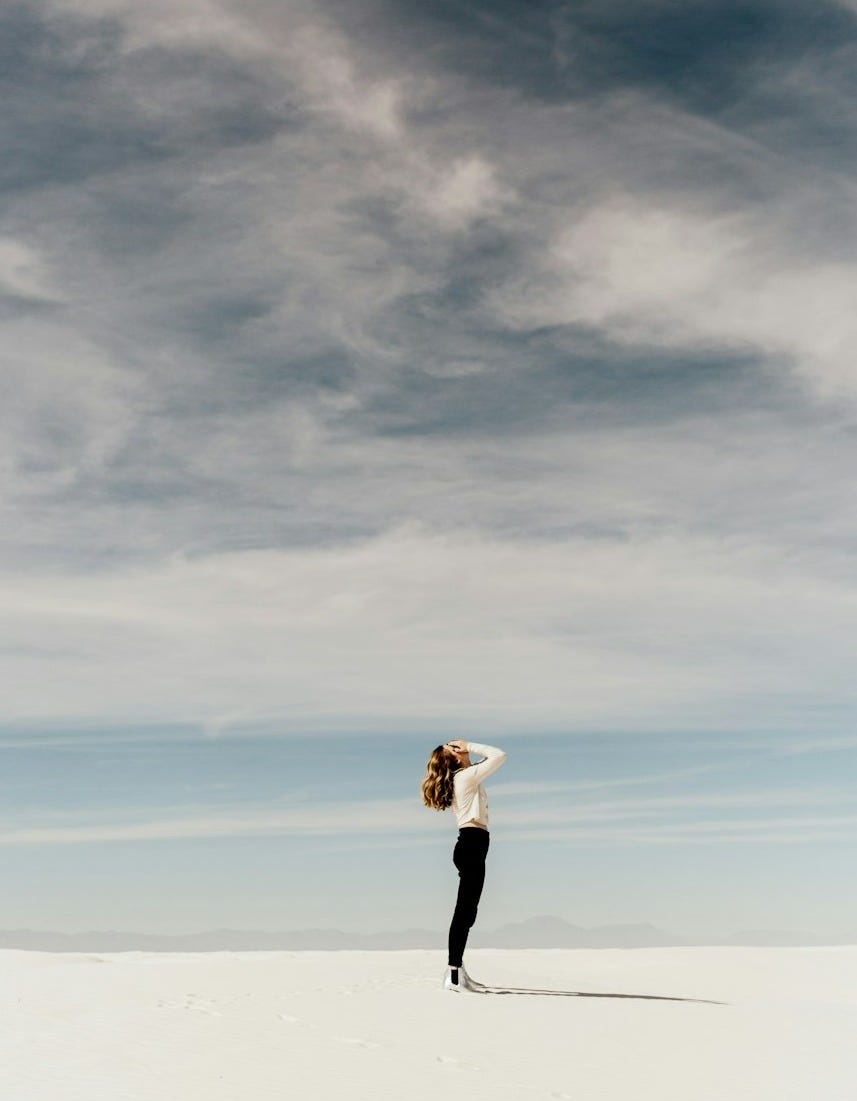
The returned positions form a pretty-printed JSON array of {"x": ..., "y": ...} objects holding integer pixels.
[{"x": 452, "y": 781}]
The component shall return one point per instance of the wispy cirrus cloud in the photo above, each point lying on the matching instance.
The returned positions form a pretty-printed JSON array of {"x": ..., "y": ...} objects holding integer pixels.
[
  {"x": 311, "y": 819},
  {"x": 656, "y": 818}
]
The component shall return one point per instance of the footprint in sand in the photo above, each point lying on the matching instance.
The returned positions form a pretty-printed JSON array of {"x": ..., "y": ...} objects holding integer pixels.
[
  {"x": 454, "y": 1063},
  {"x": 290, "y": 1019},
  {"x": 357, "y": 1042},
  {"x": 192, "y": 1001}
]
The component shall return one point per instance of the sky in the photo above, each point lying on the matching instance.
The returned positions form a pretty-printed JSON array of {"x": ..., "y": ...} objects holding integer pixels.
[{"x": 376, "y": 373}]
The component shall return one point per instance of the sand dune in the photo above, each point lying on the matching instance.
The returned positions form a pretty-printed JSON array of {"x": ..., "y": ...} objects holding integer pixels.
[{"x": 260, "y": 1026}]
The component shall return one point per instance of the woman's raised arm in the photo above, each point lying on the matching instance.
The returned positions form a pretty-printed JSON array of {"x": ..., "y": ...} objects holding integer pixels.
[{"x": 494, "y": 757}]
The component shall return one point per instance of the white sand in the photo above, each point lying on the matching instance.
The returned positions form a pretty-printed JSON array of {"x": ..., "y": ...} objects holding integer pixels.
[{"x": 376, "y": 1025}]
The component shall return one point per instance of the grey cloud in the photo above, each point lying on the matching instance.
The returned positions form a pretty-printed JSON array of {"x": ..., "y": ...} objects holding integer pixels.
[
  {"x": 338, "y": 275},
  {"x": 77, "y": 104},
  {"x": 715, "y": 58}
]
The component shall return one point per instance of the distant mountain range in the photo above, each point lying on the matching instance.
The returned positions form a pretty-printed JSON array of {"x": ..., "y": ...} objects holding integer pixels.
[{"x": 536, "y": 932}]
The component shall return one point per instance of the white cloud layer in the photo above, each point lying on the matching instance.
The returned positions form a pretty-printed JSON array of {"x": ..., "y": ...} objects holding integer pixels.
[
  {"x": 661, "y": 276},
  {"x": 412, "y": 627}
]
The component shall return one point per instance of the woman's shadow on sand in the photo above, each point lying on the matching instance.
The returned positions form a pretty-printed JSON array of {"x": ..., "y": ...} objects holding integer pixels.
[{"x": 589, "y": 994}]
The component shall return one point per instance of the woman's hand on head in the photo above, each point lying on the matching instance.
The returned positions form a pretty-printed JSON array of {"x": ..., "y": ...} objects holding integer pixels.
[{"x": 458, "y": 747}]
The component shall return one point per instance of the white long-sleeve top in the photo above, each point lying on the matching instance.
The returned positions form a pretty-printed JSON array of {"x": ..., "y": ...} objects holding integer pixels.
[{"x": 469, "y": 800}]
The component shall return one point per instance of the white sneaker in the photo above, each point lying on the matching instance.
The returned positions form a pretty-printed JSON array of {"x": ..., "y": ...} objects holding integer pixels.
[{"x": 459, "y": 987}]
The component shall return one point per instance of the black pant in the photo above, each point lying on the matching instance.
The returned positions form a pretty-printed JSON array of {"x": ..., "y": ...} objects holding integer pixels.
[{"x": 468, "y": 856}]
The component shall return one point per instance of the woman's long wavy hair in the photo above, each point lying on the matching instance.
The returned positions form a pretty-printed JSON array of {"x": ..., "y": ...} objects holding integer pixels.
[{"x": 437, "y": 787}]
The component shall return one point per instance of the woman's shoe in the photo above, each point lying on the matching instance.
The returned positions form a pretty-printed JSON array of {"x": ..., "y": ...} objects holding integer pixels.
[{"x": 460, "y": 985}]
